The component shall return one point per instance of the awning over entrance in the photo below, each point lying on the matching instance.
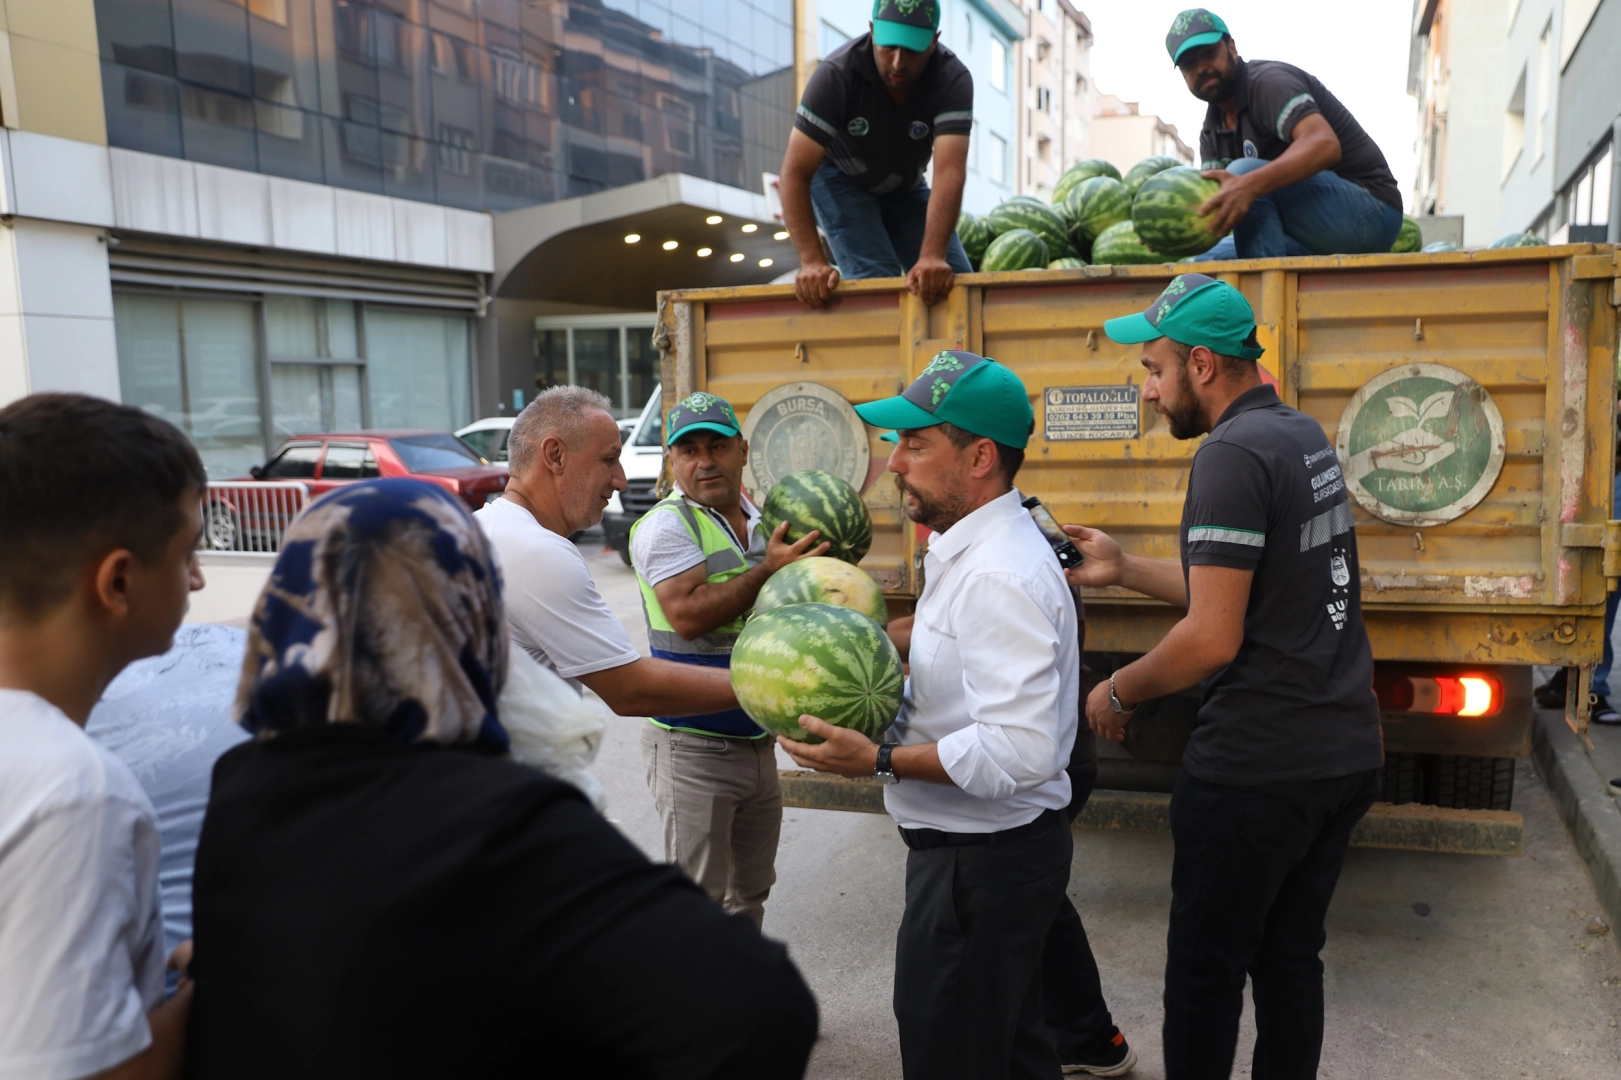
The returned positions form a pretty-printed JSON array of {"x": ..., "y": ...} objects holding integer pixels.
[{"x": 575, "y": 251}]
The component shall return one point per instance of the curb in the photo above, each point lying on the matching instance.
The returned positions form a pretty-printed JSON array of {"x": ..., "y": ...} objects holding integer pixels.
[{"x": 1585, "y": 804}]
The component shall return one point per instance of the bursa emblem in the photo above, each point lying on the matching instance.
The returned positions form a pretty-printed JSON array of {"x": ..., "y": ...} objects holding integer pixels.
[{"x": 919, "y": 130}]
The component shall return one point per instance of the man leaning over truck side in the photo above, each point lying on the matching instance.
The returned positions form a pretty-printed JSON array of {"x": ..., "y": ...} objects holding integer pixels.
[
  {"x": 1287, "y": 753},
  {"x": 701, "y": 555}
]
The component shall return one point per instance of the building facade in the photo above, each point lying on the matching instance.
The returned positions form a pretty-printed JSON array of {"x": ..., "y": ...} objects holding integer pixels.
[
  {"x": 1056, "y": 93},
  {"x": 1530, "y": 116},
  {"x": 1123, "y": 135},
  {"x": 1587, "y": 143}
]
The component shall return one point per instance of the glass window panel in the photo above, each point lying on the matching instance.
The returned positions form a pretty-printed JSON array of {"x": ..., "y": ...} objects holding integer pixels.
[
  {"x": 342, "y": 337},
  {"x": 211, "y": 44},
  {"x": 217, "y": 128},
  {"x": 404, "y": 89},
  {"x": 290, "y": 328},
  {"x": 1603, "y": 177},
  {"x": 713, "y": 14},
  {"x": 353, "y": 155},
  {"x": 346, "y": 397},
  {"x": 408, "y": 167},
  {"x": 289, "y": 143},
  {"x": 418, "y": 370},
  {"x": 147, "y": 329},
  {"x": 509, "y": 185},
  {"x": 294, "y": 463},
  {"x": 425, "y": 453},
  {"x": 656, "y": 15},
  {"x": 551, "y": 359},
  {"x": 281, "y": 37},
  {"x": 344, "y": 462},
  {"x": 458, "y": 83},
  {"x": 642, "y": 360},
  {"x": 295, "y": 400},
  {"x": 222, "y": 384},
  {"x": 596, "y": 361},
  {"x": 136, "y": 33},
  {"x": 143, "y": 110}
]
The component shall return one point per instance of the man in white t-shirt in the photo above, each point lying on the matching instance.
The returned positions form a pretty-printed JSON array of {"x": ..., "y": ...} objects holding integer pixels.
[
  {"x": 564, "y": 458},
  {"x": 87, "y": 585}
]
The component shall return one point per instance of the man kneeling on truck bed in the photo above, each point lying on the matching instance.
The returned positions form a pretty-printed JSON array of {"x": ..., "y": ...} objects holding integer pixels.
[
  {"x": 1298, "y": 174},
  {"x": 1287, "y": 753}
]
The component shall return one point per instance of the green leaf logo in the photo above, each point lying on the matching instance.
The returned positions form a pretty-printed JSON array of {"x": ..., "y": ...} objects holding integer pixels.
[
  {"x": 939, "y": 390},
  {"x": 943, "y": 361},
  {"x": 857, "y": 127}
]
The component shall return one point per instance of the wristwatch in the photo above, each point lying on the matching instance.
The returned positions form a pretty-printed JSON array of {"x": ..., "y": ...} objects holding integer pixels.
[
  {"x": 1114, "y": 702},
  {"x": 884, "y": 771}
]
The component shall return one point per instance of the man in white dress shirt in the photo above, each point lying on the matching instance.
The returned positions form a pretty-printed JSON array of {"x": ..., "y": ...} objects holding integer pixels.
[{"x": 976, "y": 769}]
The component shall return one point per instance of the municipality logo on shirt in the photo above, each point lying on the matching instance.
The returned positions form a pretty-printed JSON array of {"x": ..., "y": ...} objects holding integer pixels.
[
  {"x": 857, "y": 127},
  {"x": 919, "y": 130}
]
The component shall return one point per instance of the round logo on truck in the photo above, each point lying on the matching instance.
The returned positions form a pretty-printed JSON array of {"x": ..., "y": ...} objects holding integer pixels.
[
  {"x": 804, "y": 425},
  {"x": 1421, "y": 444}
]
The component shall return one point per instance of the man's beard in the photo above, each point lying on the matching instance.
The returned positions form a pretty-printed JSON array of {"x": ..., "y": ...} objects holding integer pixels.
[
  {"x": 1223, "y": 90},
  {"x": 1184, "y": 415},
  {"x": 937, "y": 513}
]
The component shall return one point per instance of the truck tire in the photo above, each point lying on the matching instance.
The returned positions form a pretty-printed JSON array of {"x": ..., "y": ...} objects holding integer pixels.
[
  {"x": 1401, "y": 780},
  {"x": 1470, "y": 783}
]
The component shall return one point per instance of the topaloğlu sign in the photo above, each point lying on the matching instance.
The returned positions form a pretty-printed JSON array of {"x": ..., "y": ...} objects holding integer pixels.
[{"x": 1421, "y": 444}]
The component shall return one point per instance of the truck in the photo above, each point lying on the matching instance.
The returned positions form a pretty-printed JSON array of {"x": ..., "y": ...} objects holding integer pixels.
[{"x": 1470, "y": 398}]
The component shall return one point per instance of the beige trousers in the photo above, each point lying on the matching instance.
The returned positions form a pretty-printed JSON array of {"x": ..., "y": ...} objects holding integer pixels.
[{"x": 722, "y": 811}]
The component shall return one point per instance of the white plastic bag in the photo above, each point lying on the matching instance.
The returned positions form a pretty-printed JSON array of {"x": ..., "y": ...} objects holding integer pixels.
[{"x": 551, "y": 727}]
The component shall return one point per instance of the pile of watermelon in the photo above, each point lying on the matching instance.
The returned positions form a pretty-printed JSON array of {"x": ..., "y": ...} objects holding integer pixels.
[
  {"x": 1517, "y": 239},
  {"x": 816, "y": 642}
]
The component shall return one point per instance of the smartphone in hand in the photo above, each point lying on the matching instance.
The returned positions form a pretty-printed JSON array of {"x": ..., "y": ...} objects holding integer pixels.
[{"x": 1069, "y": 556}]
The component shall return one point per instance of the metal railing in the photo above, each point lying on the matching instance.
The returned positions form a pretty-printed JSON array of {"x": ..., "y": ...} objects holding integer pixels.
[{"x": 250, "y": 515}]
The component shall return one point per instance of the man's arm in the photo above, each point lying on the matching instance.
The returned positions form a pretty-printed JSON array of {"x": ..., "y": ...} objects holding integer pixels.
[
  {"x": 930, "y": 277},
  {"x": 1313, "y": 147},
  {"x": 654, "y": 687},
  {"x": 1106, "y": 564},
  {"x": 850, "y": 753},
  {"x": 165, "y": 1058},
  {"x": 816, "y": 280},
  {"x": 695, "y": 607},
  {"x": 1196, "y": 648}
]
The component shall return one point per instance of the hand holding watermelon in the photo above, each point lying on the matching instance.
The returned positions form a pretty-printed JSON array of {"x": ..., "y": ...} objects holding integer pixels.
[
  {"x": 840, "y": 751},
  {"x": 1228, "y": 206},
  {"x": 780, "y": 551}
]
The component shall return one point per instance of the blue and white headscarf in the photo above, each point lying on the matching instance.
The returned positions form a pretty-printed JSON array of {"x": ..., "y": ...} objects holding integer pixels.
[{"x": 384, "y": 608}]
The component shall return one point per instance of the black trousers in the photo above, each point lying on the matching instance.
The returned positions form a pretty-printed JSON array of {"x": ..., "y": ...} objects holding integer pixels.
[
  {"x": 1253, "y": 874},
  {"x": 968, "y": 958},
  {"x": 1071, "y": 991}
]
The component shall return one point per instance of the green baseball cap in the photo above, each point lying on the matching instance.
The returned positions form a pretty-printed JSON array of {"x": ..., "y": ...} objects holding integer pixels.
[
  {"x": 1194, "y": 309},
  {"x": 911, "y": 24},
  {"x": 1193, "y": 28},
  {"x": 970, "y": 391},
  {"x": 700, "y": 412}
]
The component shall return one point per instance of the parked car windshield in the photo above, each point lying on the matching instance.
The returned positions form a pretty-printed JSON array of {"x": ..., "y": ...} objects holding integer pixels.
[
  {"x": 652, "y": 433},
  {"x": 425, "y": 453}
]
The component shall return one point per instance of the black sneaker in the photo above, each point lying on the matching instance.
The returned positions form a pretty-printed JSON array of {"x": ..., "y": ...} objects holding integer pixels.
[
  {"x": 1615, "y": 787},
  {"x": 1114, "y": 1058},
  {"x": 1551, "y": 694},
  {"x": 1603, "y": 712}
]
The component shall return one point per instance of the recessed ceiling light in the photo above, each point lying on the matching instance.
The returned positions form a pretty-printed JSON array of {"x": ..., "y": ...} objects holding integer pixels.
[
  {"x": 704, "y": 253},
  {"x": 738, "y": 257},
  {"x": 670, "y": 245},
  {"x": 633, "y": 238},
  {"x": 750, "y": 227},
  {"x": 713, "y": 219},
  {"x": 765, "y": 262},
  {"x": 781, "y": 235}
]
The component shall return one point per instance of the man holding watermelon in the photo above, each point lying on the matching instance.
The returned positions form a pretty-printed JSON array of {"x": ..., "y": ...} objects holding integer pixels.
[
  {"x": 873, "y": 114},
  {"x": 1299, "y": 175}
]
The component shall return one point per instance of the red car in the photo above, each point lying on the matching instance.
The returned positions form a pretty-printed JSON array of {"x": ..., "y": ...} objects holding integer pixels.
[{"x": 253, "y": 519}]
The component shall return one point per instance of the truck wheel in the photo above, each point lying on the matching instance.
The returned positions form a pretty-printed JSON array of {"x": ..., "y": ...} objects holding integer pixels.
[
  {"x": 1399, "y": 782},
  {"x": 1471, "y": 783}
]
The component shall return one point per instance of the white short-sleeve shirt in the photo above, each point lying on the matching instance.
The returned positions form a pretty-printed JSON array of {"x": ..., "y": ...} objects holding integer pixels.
[
  {"x": 554, "y": 610},
  {"x": 81, "y": 926}
]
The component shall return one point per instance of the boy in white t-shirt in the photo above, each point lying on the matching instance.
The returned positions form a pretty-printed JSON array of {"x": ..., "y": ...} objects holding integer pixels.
[{"x": 100, "y": 518}]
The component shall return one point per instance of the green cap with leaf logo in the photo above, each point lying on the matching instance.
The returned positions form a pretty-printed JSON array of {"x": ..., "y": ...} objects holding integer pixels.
[
  {"x": 700, "y": 412},
  {"x": 1194, "y": 309},
  {"x": 910, "y": 24},
  {"x": 1193, "y": 28},
  {"x": 964, "y": 389}
]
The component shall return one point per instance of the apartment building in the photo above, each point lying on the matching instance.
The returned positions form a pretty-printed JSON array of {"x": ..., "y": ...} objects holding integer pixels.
[
  {"x": 1055, "y": 93},
  {"x": 1123, "y": 135}
]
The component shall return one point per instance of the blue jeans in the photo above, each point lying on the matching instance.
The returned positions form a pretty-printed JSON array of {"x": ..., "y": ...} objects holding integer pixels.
[
  {"x": 875, "y": 236},
  {"x": 1601, "y": 674},
  {"x": 1320, "y": 215}
]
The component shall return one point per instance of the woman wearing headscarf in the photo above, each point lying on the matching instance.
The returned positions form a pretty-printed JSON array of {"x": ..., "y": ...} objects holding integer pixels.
[{"x": 381, "y": 892}]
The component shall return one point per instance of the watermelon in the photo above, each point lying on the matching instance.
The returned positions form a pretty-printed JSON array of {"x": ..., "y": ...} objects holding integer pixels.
[
  {"x": 1164, "y": 212},
  {"x": 1035, "y": 216},
  {"x": 820, "y": 659},
  {"x": 1081, "y": 170},
  {"x": 1120, "y": 245},
  {"x": 1093, "y": 205},
  {"x": 1140, "y": 172},
  {"x": 1066, "y": 263},
  {"x": 974, "y": 235},
  {"x": 823, "y": 580},
  {"x": 1017, "y": 249},
  {"x": 1517, "y": 239},
  {"x": 1408, "y": 239},
  {"x": 1442, "y": 245},
  {"x": 813, "y": 499}
]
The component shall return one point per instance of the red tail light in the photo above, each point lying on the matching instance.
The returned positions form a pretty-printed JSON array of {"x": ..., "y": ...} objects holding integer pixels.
[{"x": 1445, "y": 695}]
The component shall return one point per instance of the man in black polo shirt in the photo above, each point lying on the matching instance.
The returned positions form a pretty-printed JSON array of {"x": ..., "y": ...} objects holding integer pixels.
[
  {"x": 1286, "y": 756},
  {"x": 1298, "y": 174},
  {"x": 872, "y": 115}
]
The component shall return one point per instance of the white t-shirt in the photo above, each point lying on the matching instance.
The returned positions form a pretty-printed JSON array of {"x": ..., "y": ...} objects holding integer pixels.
[
  {"x": 553, "y": 607},
  {"x": 81, "y": 926}
]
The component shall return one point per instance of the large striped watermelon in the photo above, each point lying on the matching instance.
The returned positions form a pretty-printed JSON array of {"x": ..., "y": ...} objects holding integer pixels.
[
  {"x": 823, "y": 580},
  {"x": 1409, "y": 238},
  {"x": 1081, "y": 170},
  {"x": 1069, "y": 262},
  {"x": 1016, "y": 249},
  {"x": 1121, "y": 246},
  {"x": 813, "y": 499},
  {"x": 1034, "y": 215},
  {"x": 1140, "y": 172},
  {"x": 1517, "y": 239},
  {"x": 974, "y": 235},
  {"x": 1093, "y": 205},
  {"x": 1164, "y": 216},
  {"x": 827, "y": 661}
]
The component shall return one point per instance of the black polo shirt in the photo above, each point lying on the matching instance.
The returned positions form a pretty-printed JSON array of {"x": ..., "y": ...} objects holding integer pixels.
[
  {"x": 882, "y": 146},
  {"x": 1296, "y": 703},
  {"x": 1272, "y": 98}
]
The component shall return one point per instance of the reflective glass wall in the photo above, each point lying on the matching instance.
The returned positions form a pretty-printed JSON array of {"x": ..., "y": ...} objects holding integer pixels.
[{"x": 480, "y": 104}]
